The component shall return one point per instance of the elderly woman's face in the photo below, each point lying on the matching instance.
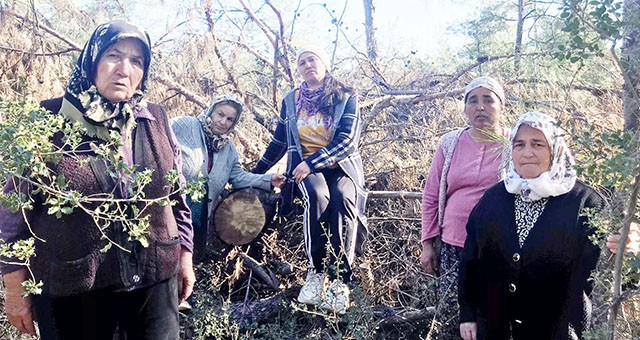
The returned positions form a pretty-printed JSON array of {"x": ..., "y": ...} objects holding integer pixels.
[
  {"x": 120, "y": 70},
  {"x": 222, "y": 118},
  {"x": 311, "y": 69},
  {"x": 483, "y": 109},
  {"x": 531, "y": 152}
]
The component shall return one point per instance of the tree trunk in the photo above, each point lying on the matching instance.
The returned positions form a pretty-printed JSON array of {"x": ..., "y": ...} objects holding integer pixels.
[
  {"x": 372, "y": 48},
  {"x": 518, "y": 47},
  {"x": 631, "y": 63}
]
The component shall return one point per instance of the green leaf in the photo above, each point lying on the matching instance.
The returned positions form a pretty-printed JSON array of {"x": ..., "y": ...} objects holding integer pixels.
[{"x": 144, "y": 242}]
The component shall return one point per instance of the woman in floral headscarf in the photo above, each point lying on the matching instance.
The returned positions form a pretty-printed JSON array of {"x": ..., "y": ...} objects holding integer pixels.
[
  {"x": 208, "y": 151},
  {"x": 136, "y": 285},
  {"x": 528, "y": 255}
]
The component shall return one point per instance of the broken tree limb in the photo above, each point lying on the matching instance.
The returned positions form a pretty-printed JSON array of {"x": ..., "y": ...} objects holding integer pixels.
[
  {"x": 395, "y": 194},
  {"x": 47, "y": 29},
  {"x": 250, "y": 313},
  {"x": 173, "y": 86},
  {"x": 404, "y": 317},
  {"x": 262, "y": 271}
]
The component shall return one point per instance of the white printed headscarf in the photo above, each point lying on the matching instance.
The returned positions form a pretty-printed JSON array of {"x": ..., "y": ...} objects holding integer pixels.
[{"x": 561, "y": 176}]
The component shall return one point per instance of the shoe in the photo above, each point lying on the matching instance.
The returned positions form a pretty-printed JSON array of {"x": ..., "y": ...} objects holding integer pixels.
[
  {"x": 184, "y": 307},
  {"x": 311, "y": 292},
  {"x": 337, "y": 298}
]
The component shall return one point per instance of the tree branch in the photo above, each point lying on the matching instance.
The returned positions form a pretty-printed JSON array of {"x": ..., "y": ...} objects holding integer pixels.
[
  {"x": 68, "y": 41},
  {"x": 617, "y": 269},
  {"x": 41, "y": 54},
  {"x": 173, "y": 86}
]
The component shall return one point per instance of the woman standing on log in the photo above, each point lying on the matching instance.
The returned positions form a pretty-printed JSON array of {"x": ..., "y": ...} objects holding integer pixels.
[
  {"x": 319, "y": 128},
  {"x": 466, "y": 163},
  {"x": 528, "y": 255},
  {"x": 207, "y": 150}
]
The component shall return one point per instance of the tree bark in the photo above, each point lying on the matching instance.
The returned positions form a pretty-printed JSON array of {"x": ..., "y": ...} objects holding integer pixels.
[
  {"x": 630, "y": 67},
  {"x": 372, "y": 47},
  {"x": 518, "y": 48},
  {"x": 631, "y": 64}
]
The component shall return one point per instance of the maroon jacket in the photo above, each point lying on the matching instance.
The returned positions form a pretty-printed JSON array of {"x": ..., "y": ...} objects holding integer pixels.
[{"x": 70, "y": 262}]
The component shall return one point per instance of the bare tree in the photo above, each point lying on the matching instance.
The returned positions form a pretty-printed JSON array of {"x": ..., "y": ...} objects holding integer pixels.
[
  {"x": 631, "y": 57},
  {"x": 518, "y": 45},
  {"x": 372, "y": 48}
]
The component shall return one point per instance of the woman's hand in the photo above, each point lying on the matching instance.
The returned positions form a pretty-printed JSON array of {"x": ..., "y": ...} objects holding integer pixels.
[
  {"x": 468, "y": 330},
  {"x": 186, "y": 276},
  {"x": 277, "y": 180},
  {"x": 633, "y": 241},
  {"x": 301, "y": 172},
  {"x": 17, "y": 307},
  {"x": 429, "y": 258}
]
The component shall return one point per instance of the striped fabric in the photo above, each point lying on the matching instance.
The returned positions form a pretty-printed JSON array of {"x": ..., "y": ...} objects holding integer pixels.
[{"x": 341, "y": 150}]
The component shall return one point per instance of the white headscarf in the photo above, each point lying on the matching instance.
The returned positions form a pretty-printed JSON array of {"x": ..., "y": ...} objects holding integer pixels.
[
  {"x": 559, "y": 179},
  {"x": 489, "y": 84}
]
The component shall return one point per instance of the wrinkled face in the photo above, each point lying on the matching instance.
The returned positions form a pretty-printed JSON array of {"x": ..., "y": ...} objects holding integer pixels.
[
  {"x": 531, "y": 152},
  {"x": 222, "y": 118},
  {"x": 120, "y": 70},
  {"x": 483, "y": 109},
  {"x": 311, "y": 69}
]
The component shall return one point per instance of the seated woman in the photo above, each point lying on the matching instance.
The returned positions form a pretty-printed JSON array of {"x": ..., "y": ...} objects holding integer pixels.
[
  {"x": 527, "y": 258},
  {"x": 319, "y": 130},
  {"x": 208, "y": 150}
]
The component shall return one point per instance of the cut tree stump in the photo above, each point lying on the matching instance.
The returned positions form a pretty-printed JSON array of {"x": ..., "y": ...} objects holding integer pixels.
[{"x": 242, "y": 214}]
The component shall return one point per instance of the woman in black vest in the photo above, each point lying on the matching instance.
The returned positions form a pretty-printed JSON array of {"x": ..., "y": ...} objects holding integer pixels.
[{"x": 135, "y": 286}]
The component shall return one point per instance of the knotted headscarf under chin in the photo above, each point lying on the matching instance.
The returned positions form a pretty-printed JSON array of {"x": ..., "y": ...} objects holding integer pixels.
[
  {"x": 215, "y": 142},
  {"x": 561, "y": 176},
  {"x": 82, "y": 103}
]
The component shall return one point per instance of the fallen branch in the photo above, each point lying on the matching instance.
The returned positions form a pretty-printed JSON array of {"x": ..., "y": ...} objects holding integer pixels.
[
  {"x": 262, "y": 271},
  {"x": 49, "y": 30},
  {"x": 411, "y": 316},
  {"x": 249, "y": 313},
  {"x": 393, "y": 218},
  {"x": 395, "y": 194},
  {"x": 40, "y": 54},
  {"x": 173, "y": 86}
]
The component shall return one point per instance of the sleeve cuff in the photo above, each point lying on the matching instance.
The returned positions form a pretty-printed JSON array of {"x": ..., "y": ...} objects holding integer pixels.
[{"x": 467, "y": 314}]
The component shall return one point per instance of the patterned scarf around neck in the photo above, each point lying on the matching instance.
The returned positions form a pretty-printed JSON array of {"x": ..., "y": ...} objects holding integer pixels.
[
  {"x": 308, "y": 99},
  {"x": 216, "y": 142}
]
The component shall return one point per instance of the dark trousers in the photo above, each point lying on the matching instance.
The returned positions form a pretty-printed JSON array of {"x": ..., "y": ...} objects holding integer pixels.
[
  {"x": 330, "y": 218},
  {"x": 144, "y": 313},
  {"x": 199, "y": 218}
]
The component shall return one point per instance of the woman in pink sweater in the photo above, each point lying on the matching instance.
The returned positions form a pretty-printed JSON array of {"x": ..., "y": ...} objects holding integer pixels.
[{"x": 466, "y": 163}]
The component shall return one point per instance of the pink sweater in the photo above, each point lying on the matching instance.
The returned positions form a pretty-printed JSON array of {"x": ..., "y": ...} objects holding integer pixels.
[{"x": 474, "y": 168}]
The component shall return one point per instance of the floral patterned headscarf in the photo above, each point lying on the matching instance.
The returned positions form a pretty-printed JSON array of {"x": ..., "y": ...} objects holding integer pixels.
[
  {"x": 82, "y": 102},
  {"x": 214, "y": 141},
  {"x": 561, "y": 176}
]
